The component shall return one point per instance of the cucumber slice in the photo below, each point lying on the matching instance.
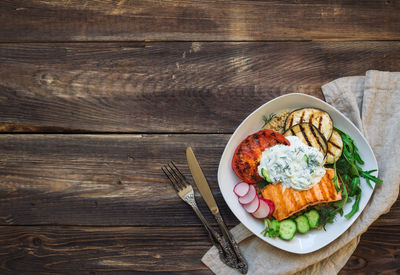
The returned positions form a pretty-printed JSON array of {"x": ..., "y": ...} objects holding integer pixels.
[
  {"x": 275, "y": 225},
  {"x": 302, "y": 224},
  {"x": 265, "y": 174},
  {"x": 287, "y": 229},
  {"x": 272, "y": 228},
  {"x": 313, "y": 218}
]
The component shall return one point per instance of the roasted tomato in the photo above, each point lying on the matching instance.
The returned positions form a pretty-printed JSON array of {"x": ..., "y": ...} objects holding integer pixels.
[{"x": 248, "y": 154}]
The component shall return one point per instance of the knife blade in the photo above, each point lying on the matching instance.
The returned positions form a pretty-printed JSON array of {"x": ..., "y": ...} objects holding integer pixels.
[
  {"x": 205, "y": 191},
  {"x": 201, "y": 181}
]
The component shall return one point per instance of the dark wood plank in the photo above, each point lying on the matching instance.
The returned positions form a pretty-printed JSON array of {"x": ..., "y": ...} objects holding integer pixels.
[
  {"x": 168, "y": 87},
  {"x": 106, "y": 179},
  {"x": 101, "y": 179},
  {"x": 63, "y": 250},
  {"x": 28, "y": 20},
  {"x": 377, "y": 253},
  {"x": 93, "y": 250}
]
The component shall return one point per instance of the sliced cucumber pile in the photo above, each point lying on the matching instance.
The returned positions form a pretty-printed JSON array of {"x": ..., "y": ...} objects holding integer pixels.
[{"x": 287, "y": 229}]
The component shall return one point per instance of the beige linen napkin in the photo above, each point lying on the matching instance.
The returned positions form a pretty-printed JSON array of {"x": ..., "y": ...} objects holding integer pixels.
[{"x": 373, "y": 104}]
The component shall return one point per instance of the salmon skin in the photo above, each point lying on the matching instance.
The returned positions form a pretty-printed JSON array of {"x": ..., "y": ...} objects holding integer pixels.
[{"x": 291, "y": 201}]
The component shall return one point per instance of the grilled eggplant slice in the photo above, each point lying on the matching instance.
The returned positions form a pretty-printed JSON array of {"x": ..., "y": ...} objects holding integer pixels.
[
  {"x": 319, "y": 118},
  {"x": 335, "y": 147},
  {"x": 309, "y": 135}
]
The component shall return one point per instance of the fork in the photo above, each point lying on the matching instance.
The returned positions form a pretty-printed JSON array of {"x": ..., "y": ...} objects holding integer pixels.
[{"x": 186, "y": 193}]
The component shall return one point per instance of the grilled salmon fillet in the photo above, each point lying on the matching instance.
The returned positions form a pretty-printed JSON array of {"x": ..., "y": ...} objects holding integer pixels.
[{"x": 291, "y": 201}]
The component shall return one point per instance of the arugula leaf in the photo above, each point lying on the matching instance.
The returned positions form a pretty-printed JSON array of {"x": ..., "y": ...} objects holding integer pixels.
[
  {"x": 355, "y": 186},
  {"x": 368, "y": 177},
  {"x": 345, "y": 198},
  {"x": 358, "y": 158},
  {"x": 355, "y": 207},
  {"x": 350, "y": 172},
  {"x": 335, "y": 178}
]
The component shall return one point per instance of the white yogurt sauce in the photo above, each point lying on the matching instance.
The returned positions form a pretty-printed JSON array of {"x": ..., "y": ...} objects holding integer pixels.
[{"x": 297, "y": 166}]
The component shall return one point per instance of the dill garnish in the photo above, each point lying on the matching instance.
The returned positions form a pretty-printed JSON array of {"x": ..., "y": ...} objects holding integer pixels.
[{"x": 268, "y": 118}]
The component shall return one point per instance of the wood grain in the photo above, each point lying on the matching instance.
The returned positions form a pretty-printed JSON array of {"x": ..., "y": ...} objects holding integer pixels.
[
  {"x": 92, "y": 198},
  {"x": 107, "y": 180},
  {"x": 106, "y": 20},
  {"x": 121, "y": 250},
  {"x": 168, "y": 87},
  {"x": 101, "y": 179},
  {"x": 376, "y": 253},
  {"x": 93, "y": 250}
]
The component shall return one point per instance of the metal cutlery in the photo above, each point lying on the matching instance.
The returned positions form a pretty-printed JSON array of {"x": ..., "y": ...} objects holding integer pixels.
[
  {"x": 186, "y": 193},
  {"x": 206, "y": 193}
]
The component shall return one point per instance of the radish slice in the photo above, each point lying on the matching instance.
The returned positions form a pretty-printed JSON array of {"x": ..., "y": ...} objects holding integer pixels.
[
  {"x": 271, "y": 206},
  {"x": 262, "y": 211},
  {"x": 241, "y": 189},
  {"x": 249, "y": 196},
  {"x": 252, "y": 206}
]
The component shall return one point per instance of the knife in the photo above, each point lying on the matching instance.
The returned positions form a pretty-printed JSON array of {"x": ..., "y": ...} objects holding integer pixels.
[{"x": 208, "y": 197}]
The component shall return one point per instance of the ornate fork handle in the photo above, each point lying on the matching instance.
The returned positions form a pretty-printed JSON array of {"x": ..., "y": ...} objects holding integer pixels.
[
  {"x": 225, "y": 252},
  {"x": 241, "y": 263}
]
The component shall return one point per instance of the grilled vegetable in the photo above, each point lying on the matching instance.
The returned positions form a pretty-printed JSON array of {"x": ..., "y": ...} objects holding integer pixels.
[
  {"x": 248, "y": 154},
  {"x": 335, "y": 148},
  {"x": 320, "y": 119},
  {"x": 276, "y": 122},
  {"x": 309, "y": 135}
]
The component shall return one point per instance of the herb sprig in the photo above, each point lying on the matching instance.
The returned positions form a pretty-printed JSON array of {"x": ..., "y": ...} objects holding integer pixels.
[{"x": 268, "y": 118}]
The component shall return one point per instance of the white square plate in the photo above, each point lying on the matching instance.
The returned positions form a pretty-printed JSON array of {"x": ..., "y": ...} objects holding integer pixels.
[{"x": 314, "y": 239}]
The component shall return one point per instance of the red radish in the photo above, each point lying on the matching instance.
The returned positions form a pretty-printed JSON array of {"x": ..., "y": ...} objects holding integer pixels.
[
  {"x": 249, "y": 196},
  {"x": 252, "y": 206},
  {"x": 271, "y": 206},
  {"x": 262, "y": 211},
  {"x": 241, "y": 189}
]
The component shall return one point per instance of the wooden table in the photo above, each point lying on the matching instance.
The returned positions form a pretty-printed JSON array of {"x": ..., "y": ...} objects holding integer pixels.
[{"x": 96, "y": 95}]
